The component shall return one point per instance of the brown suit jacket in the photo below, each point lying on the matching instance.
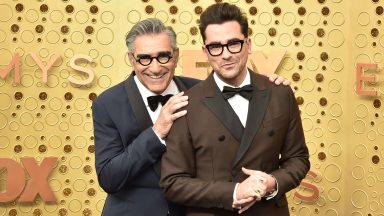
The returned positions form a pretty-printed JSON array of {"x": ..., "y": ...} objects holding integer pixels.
[{"x": 207, "y": 148}]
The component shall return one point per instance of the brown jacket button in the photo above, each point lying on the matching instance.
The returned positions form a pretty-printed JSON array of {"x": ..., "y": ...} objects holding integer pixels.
[
  {"x": 221, "y": 138},
  {"x": 271, "y": 133}
]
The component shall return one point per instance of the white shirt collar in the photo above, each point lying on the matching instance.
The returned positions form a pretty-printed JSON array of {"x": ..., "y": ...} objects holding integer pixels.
[
  {"x": 220, "y": 83},
  {"x": 171, "y": 89}
]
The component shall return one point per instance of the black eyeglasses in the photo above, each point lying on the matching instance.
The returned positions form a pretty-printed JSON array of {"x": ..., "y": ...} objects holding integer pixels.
[
  {"x": 145, "y": 60},
  {"x": 217, "y": 49}
]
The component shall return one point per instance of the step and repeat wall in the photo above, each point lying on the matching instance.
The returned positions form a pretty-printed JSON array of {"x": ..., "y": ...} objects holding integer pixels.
[{"x": 56, "y": 57}]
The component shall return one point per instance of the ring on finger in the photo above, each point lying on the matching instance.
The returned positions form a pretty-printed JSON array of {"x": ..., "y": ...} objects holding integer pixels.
[{"x": 258, "y": 192}]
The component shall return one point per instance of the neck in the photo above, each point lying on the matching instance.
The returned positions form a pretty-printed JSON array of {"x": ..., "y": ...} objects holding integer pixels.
[{"x": 235, "y": 81}]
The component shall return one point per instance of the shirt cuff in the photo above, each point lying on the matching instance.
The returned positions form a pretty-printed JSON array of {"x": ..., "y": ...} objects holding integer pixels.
[
  {"x": 161, "y": 140},
  {"x": 274, "y": 193},
  {"x": 234, "y": 192}
]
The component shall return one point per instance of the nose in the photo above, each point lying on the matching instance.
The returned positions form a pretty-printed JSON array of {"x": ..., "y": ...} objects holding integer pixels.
[
  {"x": 155, "y": 66},
  {"x": 226, "y": 54}
]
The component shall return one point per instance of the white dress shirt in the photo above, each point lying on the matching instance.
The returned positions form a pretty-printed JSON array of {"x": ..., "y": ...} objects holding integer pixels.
[
  {"x": 237, "y": 102},
  {"x": 144, "y": 92}
]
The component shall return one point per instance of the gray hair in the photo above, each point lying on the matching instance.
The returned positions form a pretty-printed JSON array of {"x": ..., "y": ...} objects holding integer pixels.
[{"x": 147, "y": 27}]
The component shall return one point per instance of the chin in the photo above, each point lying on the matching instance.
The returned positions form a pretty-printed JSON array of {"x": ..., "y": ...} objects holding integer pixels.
[{"x": 158, "y": 89}]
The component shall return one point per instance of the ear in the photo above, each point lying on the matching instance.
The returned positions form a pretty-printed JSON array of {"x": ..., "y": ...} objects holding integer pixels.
[
  {"x": 249, "y": 42},
  {"x": 131, "y": 59},
  {"x": 176, "y": 55}
]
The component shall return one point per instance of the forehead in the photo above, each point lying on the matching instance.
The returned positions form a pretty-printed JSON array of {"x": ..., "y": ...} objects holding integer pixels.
[
  {"x": 223, "y": 32},
  {"x": 152, "y": 43}
]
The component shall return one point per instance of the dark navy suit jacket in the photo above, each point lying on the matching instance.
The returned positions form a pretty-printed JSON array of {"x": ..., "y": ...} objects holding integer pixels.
[{"x": 128, "y": 152}]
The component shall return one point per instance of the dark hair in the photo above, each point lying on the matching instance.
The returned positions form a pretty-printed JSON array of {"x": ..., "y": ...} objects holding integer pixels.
[{"x": 220, "y": 13}]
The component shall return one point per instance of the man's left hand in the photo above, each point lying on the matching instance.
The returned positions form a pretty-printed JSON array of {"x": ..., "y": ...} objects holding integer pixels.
[{"x": 269, "y": 185}]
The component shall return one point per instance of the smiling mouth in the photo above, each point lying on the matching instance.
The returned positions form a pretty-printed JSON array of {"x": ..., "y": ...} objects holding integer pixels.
[{"x": 159, "y": 76}]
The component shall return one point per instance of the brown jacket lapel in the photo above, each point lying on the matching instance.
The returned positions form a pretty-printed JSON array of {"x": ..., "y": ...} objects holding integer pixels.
[
  {"x": 257, "y": 108},
  {"x": 216, "y": 103}
]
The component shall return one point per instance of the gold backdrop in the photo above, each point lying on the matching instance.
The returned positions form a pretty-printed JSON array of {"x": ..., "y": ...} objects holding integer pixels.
[{"x": 323, "y": 40}]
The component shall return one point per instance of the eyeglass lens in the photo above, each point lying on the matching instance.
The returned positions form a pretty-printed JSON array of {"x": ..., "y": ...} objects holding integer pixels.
[
  {"x": 233, "y": 47},
  {"x": 146, "y": 60}
]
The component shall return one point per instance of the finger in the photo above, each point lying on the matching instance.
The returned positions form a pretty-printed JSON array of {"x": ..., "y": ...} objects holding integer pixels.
[
  {"x": 252, "y": 172},
  {"x": 287, "y": 82},
  {"x": 177, "y": 99},
  {"x": 176, "y": 96},
  {"x": 178, "y": 115},
  {"x": 246, "y": 171},
  {"x": 257, "y": 193},
  {"x": 243, "y": 201},
  {"x": 261, "y": 193},
  {"x": 236, "y": 207},
  {"x": 279, "y": 80},
  {"x": 272, "y": 77},
  {"x": 244, "y": 208},
  {"x": 174, "y": 107}
]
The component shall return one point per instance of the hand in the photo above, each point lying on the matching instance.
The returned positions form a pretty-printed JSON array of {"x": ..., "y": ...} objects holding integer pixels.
[
  {"x": 168, "y": 114},
  {"x": 279, "y": 80},
  {"x": 244, "y": 204},
  {"x": 268, "y": 180},
  {"x": 259, "y": 182},
  {"x": 252, "y": 186}
]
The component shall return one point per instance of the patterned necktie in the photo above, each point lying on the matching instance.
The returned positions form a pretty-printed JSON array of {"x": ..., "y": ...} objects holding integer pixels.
[
  {"x": 153, "y": 101},
  {"x": 245, "y": 92}
]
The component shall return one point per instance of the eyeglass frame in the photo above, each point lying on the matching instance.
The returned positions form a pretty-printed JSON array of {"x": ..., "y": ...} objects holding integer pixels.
[
  {"x": 226, "y": 45},
  {"x": 163, "y": 54}
]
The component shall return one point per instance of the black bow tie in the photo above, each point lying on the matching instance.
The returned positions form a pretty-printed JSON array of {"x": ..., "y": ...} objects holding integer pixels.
[
  {"x": 245, "y": 92},
  {"x": 153, "y": 101}
]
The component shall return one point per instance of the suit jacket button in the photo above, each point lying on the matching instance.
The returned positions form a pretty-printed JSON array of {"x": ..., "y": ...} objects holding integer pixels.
[
  {"x": 271, "y": 133},
  {"x": 221, "y": 138}
]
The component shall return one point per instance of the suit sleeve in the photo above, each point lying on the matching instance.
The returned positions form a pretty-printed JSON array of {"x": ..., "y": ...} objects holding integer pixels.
[
  {"x": 294, "y": 162},
  {"x": 179, "y": 180},
  {"x": 118, "y": 163}
]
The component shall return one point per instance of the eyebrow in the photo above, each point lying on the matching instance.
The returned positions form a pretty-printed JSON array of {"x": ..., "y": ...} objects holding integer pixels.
[
  {"x": 158, "y": 54},
  {"x": 228, "y": 41}
]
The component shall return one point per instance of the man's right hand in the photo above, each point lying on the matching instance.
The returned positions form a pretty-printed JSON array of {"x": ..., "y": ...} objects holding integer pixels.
[{"x": 168, "y": 114}]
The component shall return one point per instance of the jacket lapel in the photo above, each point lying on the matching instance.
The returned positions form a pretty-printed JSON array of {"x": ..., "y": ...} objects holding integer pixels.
[
  {"x": 139, "y": 110},
  {"x": 180, "y": 85},
  {"x": 216, "y": 103},
  {"x": 143, "y": 119},
  {"x": 257, "y": 108}
]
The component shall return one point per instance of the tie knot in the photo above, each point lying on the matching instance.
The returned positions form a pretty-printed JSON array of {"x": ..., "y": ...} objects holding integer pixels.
[
  {"x": 245, "y": 92},
  {"x": 153, "y": 101}
]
